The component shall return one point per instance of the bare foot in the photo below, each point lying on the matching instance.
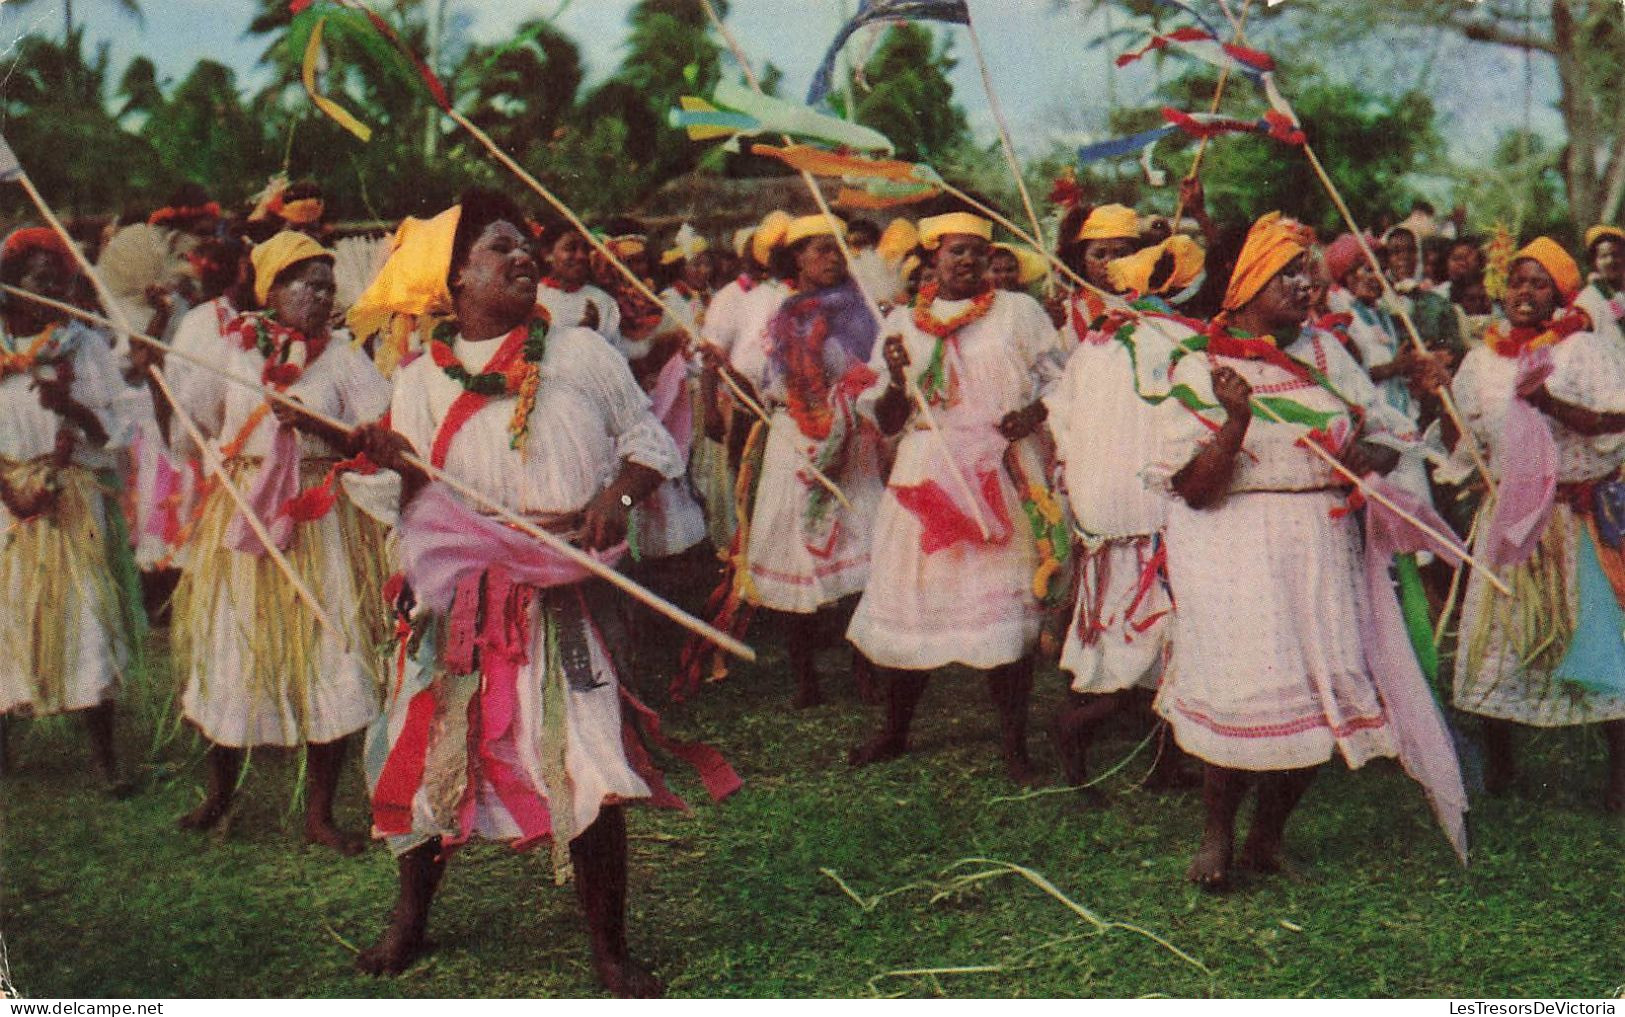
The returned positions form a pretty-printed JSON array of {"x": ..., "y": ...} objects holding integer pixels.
[
  {"x": 328, "y": 835},
  {"x": 402, "y": 945},
  {"x": 205, "y": 816},
  {"x": 627, "y": 979},
  {"x": 1021, "y": 772},
  {"x": 876, "y": 750},
  {"x": 1210, "y": 869}
]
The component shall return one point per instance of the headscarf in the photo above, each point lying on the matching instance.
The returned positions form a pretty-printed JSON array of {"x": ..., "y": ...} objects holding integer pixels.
[
  {"x": 303, "y": 212},
  {"x": 899, "y": 238},
  {"x": 769, "y": 234},
  {"x": 807, "y": 226},
  {"x": 1030, "y": 265},
  {"x": 932, "y": 230},
  {"x": 684, "y": 246},
  {"x": 628, "y": 245},
  {"x": 1110, "y": 222},
  {"x": 1548, "y": 254},
  {"x": 281, "y": 252},
  {"x": 413, "y": 280},
  {"x": 742, "y": 239},
  {"x": 1603, "y": 232},
  {"x": 1343, "y": 256},
  {"x": 1178, "y": 261},
  {"x": 21, "y": 243},
  {"x": 1271, "y": 244}
]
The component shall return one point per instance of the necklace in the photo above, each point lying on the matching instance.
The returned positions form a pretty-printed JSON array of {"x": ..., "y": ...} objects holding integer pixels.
[
  {"x": 515, "y": 370},
  {"x": 25, "y": 361},
  {"x": 928, "y": 323},
  {"x": 287, "y": 352}
]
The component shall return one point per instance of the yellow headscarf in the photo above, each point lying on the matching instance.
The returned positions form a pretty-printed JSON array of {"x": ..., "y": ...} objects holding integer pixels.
[
  {"x": 1272, "y": 242},
  {"x": 897, "y": 241},
  {"x": 742, "y": 239},
  {"x": 768, "y": 235},
  {"x": 1600, "y": 231},
  {"x": 932, "y": 230},
  {"x": 413, "y": 280},
  {"x": 1110, "y": 222},
  {"x": 1548, "y": 254},
  {"x": 1133, "y": 273},
  {"x": 1030, "y": 265},
  {"x": 819, "y": 225},
  {"x": 282, "y": 251}
]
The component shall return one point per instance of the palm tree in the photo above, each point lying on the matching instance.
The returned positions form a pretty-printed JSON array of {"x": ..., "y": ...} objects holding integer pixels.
[{"x": 130, "y": 7}]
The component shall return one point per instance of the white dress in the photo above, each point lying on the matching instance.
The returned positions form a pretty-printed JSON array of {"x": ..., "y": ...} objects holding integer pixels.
[
  {"x": 1106, "y": 434},
  {"x": 590, "y": 417},
  {"x": 63, "y": 633},
  {"x": 1607, "y": 312},
  {"x": 1268, "y": 671},
  {"x": 794, "y": 566},
  {"x": 969, "y": 603},
  {"x": 568, "y": 309},
  {"x": 1490, "y": 679},
  {"x": 257, "y": 667}
]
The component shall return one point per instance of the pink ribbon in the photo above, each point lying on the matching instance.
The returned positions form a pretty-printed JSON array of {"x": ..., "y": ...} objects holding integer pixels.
[
  {"x": 276, "y": 483},
  {"x": 671, "y": 403},
  {"x": 1526, "y": 463},
  {"x": 1425, "y": 746}
]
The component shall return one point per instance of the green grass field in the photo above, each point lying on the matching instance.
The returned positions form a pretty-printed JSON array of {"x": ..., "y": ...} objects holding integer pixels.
[{"x": 107, "y": 898}]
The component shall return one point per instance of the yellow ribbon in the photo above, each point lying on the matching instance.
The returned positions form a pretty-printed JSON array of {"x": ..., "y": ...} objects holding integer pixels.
[{"x": 339, "y": 115}]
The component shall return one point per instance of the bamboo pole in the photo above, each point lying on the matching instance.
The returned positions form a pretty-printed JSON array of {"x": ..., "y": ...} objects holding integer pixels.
[{"x": 552, "y": 540}]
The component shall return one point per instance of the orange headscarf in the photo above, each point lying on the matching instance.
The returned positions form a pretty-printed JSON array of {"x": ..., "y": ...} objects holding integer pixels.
[
  {"x": 1271, "y": 244},
  {"x": 1548, "y": 254}
]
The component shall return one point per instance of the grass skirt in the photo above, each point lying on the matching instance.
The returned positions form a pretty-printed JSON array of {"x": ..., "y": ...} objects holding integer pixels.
[
  {"x": 257, "y": 666},
  {"x": 63, "y": 632}
]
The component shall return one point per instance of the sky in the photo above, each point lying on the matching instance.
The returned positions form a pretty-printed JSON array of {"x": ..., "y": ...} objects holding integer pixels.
[{"x": 1053, "y": 85}]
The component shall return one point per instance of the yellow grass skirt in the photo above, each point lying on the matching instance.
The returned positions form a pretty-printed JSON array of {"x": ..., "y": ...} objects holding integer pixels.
[
  {"x": 258, "y": 667},
  {"x": 62, "y": 641}
]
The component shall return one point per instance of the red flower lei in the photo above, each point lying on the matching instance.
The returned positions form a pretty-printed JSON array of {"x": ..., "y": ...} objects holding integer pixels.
[
  {"x": 927, "y": 322},
  {"x": 288, "y": 352},
  {"x": 552, "y": 283},
  {"x": 1511, "y": 342}
]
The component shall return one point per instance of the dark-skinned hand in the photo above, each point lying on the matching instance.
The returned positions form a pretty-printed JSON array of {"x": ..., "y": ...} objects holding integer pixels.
[
  {"x": 1232, "y": 392},
  {"x": 1018, "y": 424},
  {"x": 604, "y": 521},
  {"x": 896, "y": 359}
]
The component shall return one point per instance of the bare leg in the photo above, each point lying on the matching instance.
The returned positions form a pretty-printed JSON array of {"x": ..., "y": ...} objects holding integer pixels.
[
  {"x": 322, "y": 764},
  {"x": 418, "y": 871},
  {"x": 866, "y": 677},
  {"x": 1170, "y": 772},
  {"x": 1278, "y": 794},
  {"x": 5, "y": 744},
  {"x": 223, "y": 764},
  {"x": 1073, "y": 729},
  {"x": 802, "y": 645},
  {"x": 1499, "y": 767},
  {"x": 98, "y": 721},
  {"x": 1614, "y": 798},
  {"x": 599, "y": 856},
  {"x": 1011, "y": 688},
  {"x": 1222, "y": 791},
  {"x": 904, "y": 689}
]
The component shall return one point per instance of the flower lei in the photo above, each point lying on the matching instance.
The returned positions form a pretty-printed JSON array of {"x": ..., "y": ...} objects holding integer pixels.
[
  {"x": 285, "y": 350},
  {"x": 552, "y": 283},
  {"x": 1511, "y": 342},
  {"x": 935, "y": 383},
  {"x": 24, "y": 361},
  {"x": 515, "y": 376}
]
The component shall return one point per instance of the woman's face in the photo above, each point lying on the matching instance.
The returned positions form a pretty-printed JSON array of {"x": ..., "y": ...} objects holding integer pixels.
[
  {"x": 1609, "y": 261},
  {"x": 1531, "y": 297},
  {"x": 961, "y": 266},
  {"x": 569, "y": 259},
  {"x": 1285, "y": 300},
  {"x": 1097, "y": 254},
  {"x": 819, "y": 263},
  {"x": 1004, "y": 271},
  {"x": 697, "y": 271},
  {"x": 1465, "y": 262},
  {"x": 500, "y": 274},
  {"x": 1364, "y": 283},
  {"x": 304, "y": 300}
]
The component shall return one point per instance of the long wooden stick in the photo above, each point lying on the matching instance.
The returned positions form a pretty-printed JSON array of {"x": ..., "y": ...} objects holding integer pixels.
[
  {"x": 638, "y": 284},
  {"x": 1003, "y": 126},
  {"x": 552, "y": 540},
  {"x": 211, "y": 458},
  {"x": 1381, "y": 499},
  {"x": 957, "y": 474}
]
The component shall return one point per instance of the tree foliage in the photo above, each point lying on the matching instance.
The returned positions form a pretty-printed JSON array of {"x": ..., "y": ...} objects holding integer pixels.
[{"x": 906, "y": 95}]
